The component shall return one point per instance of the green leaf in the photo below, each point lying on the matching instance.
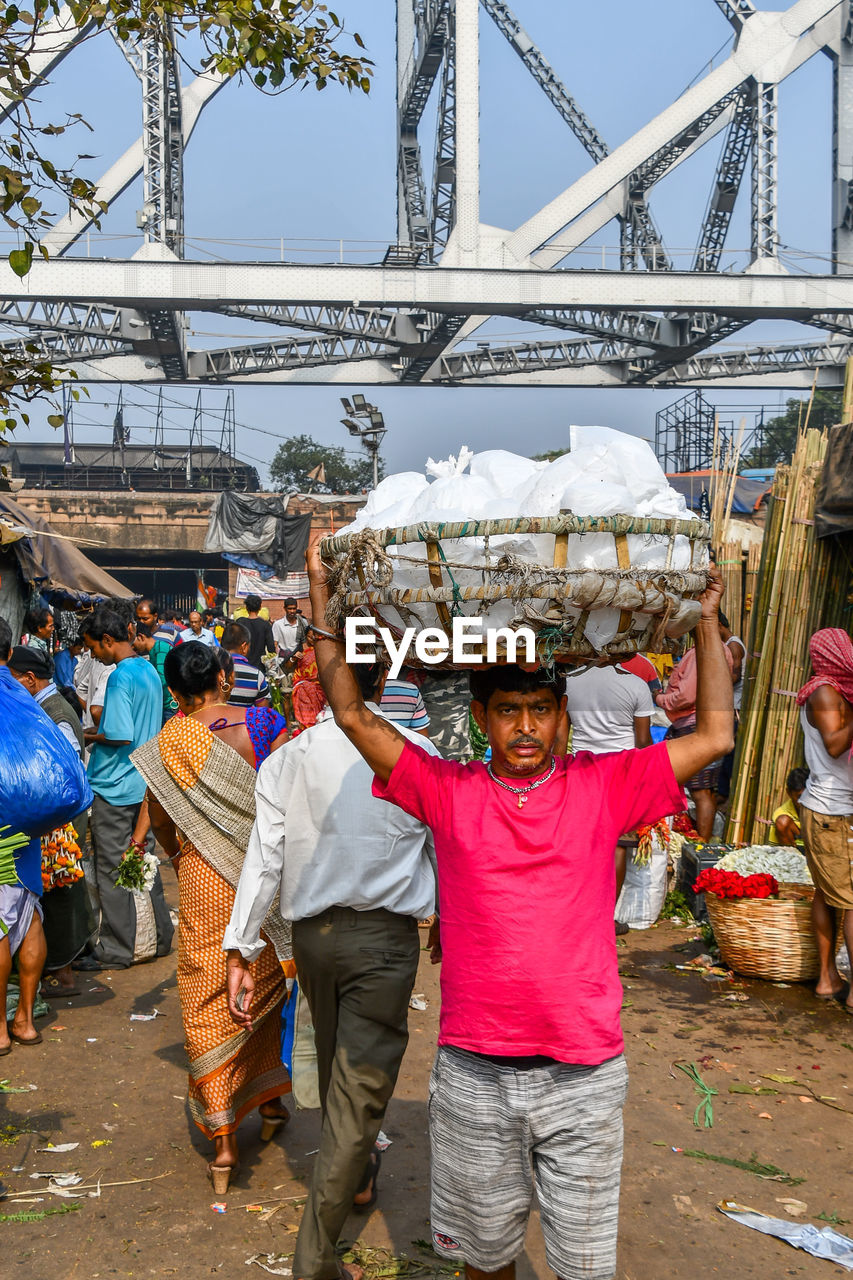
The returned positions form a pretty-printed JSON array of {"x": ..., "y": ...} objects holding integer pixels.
[
  {"x": 55, "y": 419},
  {"x": 20, "y": 260}
]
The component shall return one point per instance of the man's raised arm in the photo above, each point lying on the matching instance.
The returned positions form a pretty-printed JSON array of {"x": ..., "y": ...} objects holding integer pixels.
[
  {"x": 376, "y": 739},
  {"x": 714, "y": 733}
]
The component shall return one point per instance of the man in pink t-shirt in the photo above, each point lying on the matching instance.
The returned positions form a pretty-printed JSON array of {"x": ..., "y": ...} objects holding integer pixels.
[{"x": 529, "y": 1080}]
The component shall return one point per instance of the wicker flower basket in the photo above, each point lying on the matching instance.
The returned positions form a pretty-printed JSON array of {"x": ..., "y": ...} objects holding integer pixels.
[
  {"x": 767, "y": 937},
  {"x": 655, "y": 603}
]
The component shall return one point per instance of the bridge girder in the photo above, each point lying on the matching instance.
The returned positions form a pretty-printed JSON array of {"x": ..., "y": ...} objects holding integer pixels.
[{"x": 415, "y": 320}]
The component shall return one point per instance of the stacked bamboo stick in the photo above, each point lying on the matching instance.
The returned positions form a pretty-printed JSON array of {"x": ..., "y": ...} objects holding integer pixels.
[
  {"x": 739, "y": 567},
  {"x": 799, "y": 588}
]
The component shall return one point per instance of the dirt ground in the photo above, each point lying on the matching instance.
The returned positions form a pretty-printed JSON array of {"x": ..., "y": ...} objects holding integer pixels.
[{"x": 117, "y": 1087}]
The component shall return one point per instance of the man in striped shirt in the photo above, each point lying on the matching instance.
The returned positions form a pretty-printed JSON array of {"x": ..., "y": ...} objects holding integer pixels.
[
  {"x": 402, "y": 702},
  {"x": 250, "y": 683}
]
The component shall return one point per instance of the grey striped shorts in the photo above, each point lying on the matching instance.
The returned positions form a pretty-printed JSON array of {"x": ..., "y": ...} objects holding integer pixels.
[{"x": 496, "y": 1132}]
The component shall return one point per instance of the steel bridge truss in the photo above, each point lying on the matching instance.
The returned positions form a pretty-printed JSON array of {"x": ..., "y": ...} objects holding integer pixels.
[{"x": 417, "y": 317}]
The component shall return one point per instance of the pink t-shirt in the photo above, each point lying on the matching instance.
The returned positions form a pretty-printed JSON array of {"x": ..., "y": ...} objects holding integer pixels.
[{"x": 527, "y": 896}]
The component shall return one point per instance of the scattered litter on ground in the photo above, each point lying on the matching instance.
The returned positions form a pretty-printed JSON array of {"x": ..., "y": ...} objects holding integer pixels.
[
  {"x": 254, "y": 1208},
  {"x": 767, "y": 1171},
  {"x": 703, "y": 1116},
  {"x": 92, "y": 1189},
  {"x": 419, "y": 1002},
  {"x": 63, "y": 1146},
  {"x": 57, "y": 1027},
  {"x": 102, "y": 1142},
  {"x": 91, "y": 1040},
  {"x": 6, "y": 1087},
  {"x": 383, "y": 1142},
  {"x": 219, "y": 1206},
  {"x": 146, "y": 1017},
  {"x": 764, "y": 1115},
  {"x": 794, "y": 1208},
  {"x": 61, "y": 1179},
  {"x": 737, "y": 997},
  {"x": 820, "y": 1242},
  {"x": 267, "y": 1262}
]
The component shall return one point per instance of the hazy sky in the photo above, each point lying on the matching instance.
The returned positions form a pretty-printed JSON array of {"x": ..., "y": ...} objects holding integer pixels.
[{"x": 316, "y": 169}]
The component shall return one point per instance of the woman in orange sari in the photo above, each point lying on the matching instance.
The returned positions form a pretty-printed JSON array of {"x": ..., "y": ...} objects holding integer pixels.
[
  {"x": 308, "y": 697},
  {"x": 200, "y": 771}
]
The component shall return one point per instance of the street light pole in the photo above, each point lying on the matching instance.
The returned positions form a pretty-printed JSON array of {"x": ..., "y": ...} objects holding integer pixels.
[{"x": 365, "y": 421}]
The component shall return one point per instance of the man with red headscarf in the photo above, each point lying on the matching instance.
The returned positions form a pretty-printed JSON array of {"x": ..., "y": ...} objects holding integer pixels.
[{"x": 826, "y": 716}]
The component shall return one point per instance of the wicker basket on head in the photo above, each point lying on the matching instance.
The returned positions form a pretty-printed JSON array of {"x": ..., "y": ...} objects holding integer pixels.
[
  {"x": 767, "y": 937},
  {"x": 656, "y": 604}
]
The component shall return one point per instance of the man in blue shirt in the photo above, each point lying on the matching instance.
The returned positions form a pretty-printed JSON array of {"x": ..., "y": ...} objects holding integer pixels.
[
  {"x": 197, "y": 631},
  {"x": 133, "y": 927}
]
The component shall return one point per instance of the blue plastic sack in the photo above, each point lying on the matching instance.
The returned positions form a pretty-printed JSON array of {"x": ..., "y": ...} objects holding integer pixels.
[{"x": 42, "y": 780}]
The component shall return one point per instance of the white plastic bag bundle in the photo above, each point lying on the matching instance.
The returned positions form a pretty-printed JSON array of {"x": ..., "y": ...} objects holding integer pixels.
[{"x": 644, "y": 890}]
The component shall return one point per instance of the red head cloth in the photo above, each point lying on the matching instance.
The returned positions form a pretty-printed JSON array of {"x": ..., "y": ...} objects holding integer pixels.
[{"x": 831, "y": 652}]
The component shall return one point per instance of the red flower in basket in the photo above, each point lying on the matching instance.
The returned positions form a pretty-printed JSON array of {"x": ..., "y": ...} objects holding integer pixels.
[{"x": 729, "y": 884}]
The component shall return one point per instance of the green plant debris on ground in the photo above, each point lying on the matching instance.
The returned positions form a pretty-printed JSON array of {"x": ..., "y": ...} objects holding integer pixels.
[
  {"x": 10, "y": 1133},
  {"x": 675, "y": 904},
  {"x": 752, "y": 1165},
  {"x": 749, "y": 1088},
  {"x": 38, "y": 1215},
  {"x": 703, "y": 1116},
  {"x": 379, "y": 1264},
  {"x": 833, "y": 1219}
]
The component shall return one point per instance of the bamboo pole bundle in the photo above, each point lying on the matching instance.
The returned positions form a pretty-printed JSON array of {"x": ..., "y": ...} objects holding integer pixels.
[
  {"x": 730, "y": 561},
  {"x": 797, "y": 580},
  {"x": 752, "y": 563}
]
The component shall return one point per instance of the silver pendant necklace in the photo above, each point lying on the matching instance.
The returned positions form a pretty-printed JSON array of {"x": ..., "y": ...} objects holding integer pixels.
[{"x": 523, "y": 792}]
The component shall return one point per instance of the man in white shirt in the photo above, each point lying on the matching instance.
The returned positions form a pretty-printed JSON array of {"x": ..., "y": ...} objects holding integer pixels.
[
  {"x": 609, "y": 709},
  {"x": 354, "y": 875},
  {"x": 196, "y": 631},
  {"x": 290, "y": 631}
]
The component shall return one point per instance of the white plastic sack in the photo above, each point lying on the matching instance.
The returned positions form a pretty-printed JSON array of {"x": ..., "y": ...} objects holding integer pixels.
[
  {"x": 606, "y": 473},
  {"x": 644, "y": 889}
]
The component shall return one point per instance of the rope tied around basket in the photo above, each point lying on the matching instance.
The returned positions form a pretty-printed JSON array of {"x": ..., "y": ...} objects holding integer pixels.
[{"x": 365, "y": 558}]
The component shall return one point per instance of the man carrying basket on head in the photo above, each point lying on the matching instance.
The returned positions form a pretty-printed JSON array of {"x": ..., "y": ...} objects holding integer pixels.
[{"x": 529, "y": 1080}]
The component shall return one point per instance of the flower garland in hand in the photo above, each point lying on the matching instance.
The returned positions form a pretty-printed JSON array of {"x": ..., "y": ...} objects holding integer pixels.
[
  {"x": 728, "y": 884},
  {"x": 60, "y": 858}
]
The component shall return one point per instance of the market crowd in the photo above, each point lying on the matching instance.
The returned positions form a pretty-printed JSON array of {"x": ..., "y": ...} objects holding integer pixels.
[{"x": 316, "y": 814}]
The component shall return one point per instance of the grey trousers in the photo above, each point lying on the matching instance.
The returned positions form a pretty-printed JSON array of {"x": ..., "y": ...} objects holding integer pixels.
[
  {"x": 110, "y": 830},
  {"x": 357, "y": 969}
]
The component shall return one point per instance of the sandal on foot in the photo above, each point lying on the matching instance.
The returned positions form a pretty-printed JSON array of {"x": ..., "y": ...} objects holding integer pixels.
[
  {"x": 36, "y": 1039},
  {"x": 220, "y": 1175},
  {"x": 270, "y": 1125},
  {"x": 369, "y": 1179},
  {"x": 53, "y": 989}
]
